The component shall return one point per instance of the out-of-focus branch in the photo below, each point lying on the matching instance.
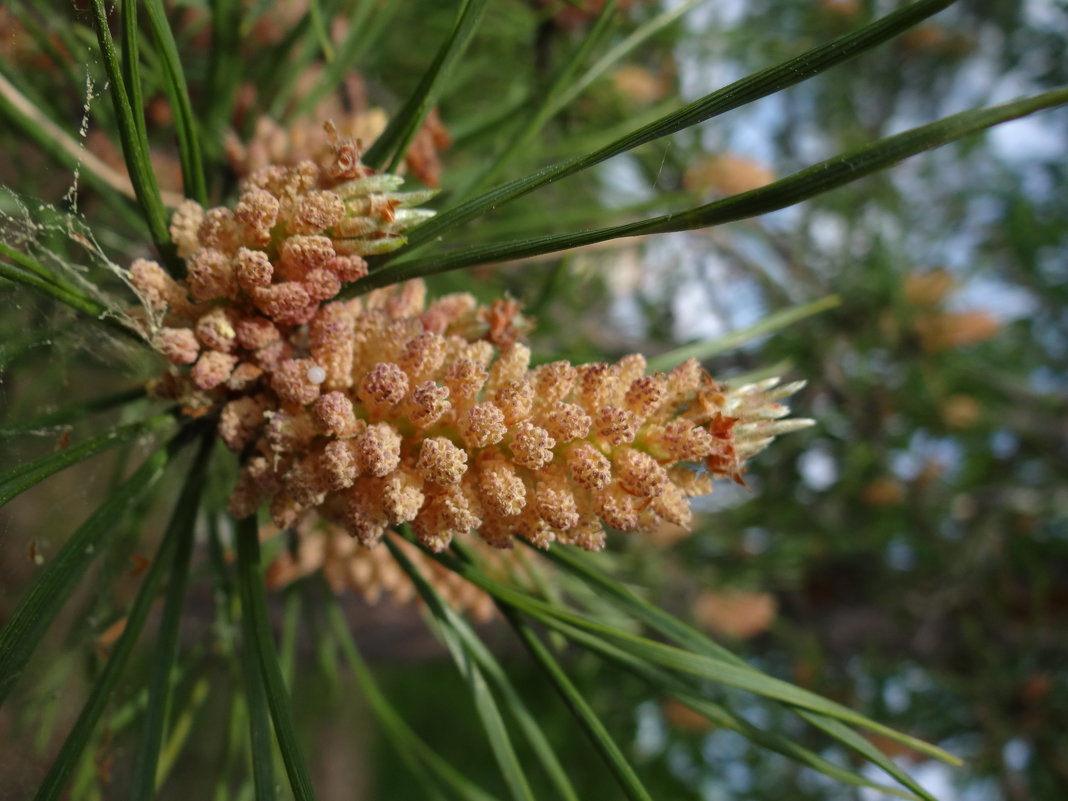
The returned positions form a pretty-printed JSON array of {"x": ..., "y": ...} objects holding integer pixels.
[{"x": 75, "y": 152}]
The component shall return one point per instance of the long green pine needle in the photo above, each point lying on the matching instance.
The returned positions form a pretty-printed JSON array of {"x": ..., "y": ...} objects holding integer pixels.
[
  {"x": 134, "y": 145},
  {"x": 19, "y": 479},
  {"x": 614, "y": 758},
  {"x": 742, "y": 92},
  {"x": 469, "y": 660},
  {"x": 413, "y": 750},
  {"x": 39, "y": 606},
  {"x": 178, "y": 93},
  {"x": 71, "y": 413},
  {"x": 259, "y": 713},
  {"x": 391, "y": 146},
  {"x": 180, "y": 527},
  {"x": 250, "y": 580},
  {"x": 771, "y": 324},
  {"x": 789, "y": 191},
  {"x": 732, "y": 673},
  {"x": 166, "y": 652}
]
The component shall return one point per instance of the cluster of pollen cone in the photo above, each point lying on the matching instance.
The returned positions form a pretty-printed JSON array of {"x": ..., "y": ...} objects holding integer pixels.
[{"x": 388, "y": 409}]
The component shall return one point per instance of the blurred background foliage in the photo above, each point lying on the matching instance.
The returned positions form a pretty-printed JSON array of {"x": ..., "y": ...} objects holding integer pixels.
[{"x": 908, "y": 556}]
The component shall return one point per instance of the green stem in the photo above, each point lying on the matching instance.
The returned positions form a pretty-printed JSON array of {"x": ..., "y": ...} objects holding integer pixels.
[{"x": 255, "y": 600}]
